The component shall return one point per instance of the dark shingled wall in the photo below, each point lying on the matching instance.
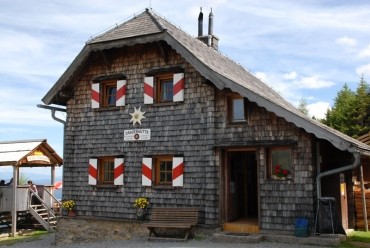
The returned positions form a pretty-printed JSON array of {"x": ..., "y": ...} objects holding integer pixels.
[{"x": 192, "y": 128}]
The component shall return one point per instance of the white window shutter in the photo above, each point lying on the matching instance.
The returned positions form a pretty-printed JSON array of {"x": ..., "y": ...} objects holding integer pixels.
[
  {"x": 178, "y": 87},
  {"x": 178, "y": 171},
  {"x": 95, "y": 95},
  {"x": 148, "y": 90},
  {"x": 121, "y": 93},
  {"x": 119, "y": 168},
  {"x": 93, "y": 171},
  {"x": 146, "y": 168}
]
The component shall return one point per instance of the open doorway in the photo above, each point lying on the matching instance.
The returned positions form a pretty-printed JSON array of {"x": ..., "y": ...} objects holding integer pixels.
[{"x": 241, "y": 180}]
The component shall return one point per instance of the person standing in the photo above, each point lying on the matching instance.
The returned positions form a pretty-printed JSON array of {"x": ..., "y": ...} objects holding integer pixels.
[{"x": 33, "y": 192}]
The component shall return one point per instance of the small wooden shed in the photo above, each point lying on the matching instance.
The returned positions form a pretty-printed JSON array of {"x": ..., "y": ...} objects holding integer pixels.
[{"x": 25, "y": 153}]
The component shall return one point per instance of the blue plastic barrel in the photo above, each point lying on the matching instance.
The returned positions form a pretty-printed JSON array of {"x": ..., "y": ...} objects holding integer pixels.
[{"x": 301, "y": 227}]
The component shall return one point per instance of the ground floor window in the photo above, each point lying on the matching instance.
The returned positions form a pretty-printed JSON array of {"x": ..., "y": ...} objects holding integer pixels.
[
  {"x": 163, "y": 170},
  {"x": 279, "y": 162},
  {"x": 106, "y": 170}
]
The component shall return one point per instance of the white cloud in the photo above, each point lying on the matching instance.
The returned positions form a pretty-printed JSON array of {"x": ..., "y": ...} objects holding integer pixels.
[
  {"x": 363, "y": 70},
  {"x": 346, "y": 41},
  {"x": 290, "y": 75},
  {"x": 318, "y": 109},
  {"x": 313, "y": 82},
  {"x": 365, "y": 52}
]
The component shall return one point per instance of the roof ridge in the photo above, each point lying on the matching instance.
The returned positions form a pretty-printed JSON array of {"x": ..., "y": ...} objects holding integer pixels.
[
  {"x": 117, "y": 25},
  {"x": 22, "y": 141}
]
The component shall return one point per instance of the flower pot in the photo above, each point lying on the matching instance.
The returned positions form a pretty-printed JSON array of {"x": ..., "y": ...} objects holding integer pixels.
[
  {"x": 141, "y": 213},
  {"x": 71, "y": 213}
]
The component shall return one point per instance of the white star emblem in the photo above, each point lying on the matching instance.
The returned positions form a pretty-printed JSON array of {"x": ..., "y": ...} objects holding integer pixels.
[{"x": 137, "y": 116}]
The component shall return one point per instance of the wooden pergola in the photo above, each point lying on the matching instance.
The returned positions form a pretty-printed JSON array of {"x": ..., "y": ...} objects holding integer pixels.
[{"x": 26, "y": 153}]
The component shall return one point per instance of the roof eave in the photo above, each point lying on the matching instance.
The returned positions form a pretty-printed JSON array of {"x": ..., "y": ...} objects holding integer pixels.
[
  {"x": 81, "y": 58},
  {"x": 222, "y": 82}
]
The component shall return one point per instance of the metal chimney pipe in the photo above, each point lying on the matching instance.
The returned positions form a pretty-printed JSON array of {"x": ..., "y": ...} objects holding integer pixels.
[
  {"x": 200, "y": 23},
  {"x": 210, "y": 23}
]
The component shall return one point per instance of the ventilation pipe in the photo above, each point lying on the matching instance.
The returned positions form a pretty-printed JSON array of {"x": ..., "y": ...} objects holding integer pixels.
[
  {"x": 200, "y": 23},
  {"x": 210, "y": 23}
]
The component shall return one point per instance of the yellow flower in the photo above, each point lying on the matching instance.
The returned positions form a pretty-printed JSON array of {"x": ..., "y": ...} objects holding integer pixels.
[
  {"x": 68, "y": 204},
  {"x": 141, "y": 202}
]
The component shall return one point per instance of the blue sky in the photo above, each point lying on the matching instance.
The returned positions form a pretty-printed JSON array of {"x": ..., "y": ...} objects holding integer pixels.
[{"x": 302, "y": 49}]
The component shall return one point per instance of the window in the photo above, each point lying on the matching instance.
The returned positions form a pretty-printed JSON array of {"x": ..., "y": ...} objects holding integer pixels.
[
  {"x": 108, "y": 93},
  {"x": 106, "y": 170},
  {"x": 164, "y": 88},
  {"x": 279, "y": 162},
  {"x": 163, "y": 170},
  {"x": 237, "y": 109}
]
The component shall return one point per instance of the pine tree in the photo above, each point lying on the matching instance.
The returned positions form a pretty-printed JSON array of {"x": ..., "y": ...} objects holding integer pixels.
[
  {"x": 351, "y": 111},
  {"x": 303, "y": 106}
]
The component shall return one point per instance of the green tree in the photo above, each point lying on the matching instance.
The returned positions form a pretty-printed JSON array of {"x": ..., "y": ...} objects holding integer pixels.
[
  {"x": 303, "y": 106},
  {"x": 351, "y": 110}
]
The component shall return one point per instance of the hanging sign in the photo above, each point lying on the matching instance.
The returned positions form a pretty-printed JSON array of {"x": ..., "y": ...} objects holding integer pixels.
[
  {"x": 136, "y": 134},
  {"x": 38, "y": 156}
]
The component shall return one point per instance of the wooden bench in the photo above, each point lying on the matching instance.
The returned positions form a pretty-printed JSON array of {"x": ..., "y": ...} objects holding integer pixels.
[{"x": 173, "y": 218}]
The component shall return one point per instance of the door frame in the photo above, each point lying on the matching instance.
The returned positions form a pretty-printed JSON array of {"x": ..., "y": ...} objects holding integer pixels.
[{"x": 225, "y": 175}]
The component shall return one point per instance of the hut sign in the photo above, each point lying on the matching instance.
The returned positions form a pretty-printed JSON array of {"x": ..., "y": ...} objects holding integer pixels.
[
  {"x": 137, "y": 134},
  {"x": 38, "y": 156}
]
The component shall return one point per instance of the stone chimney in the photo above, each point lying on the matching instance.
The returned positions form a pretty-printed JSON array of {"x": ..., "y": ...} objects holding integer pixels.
[{"x": 210, "y": 39}]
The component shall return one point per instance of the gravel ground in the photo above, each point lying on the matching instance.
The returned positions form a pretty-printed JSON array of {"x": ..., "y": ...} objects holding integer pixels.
[{"x": 48, "y": 241}]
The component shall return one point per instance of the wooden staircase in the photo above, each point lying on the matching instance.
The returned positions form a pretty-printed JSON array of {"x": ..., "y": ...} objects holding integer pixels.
[{"x": 47, "y": 216}]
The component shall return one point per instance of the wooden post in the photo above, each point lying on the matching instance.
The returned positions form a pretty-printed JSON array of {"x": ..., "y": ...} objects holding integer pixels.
[
  {"x": 14, "y": 202},
  {"x": 363, "y": 198}
]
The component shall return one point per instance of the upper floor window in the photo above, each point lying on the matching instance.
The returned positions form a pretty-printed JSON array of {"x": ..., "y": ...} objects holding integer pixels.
[
  {"x": 279, "y": 162},
  {"x": 108, "y": 93},
  {"x": 237, "y": 109},
  {"x": 164, "y": 88}
]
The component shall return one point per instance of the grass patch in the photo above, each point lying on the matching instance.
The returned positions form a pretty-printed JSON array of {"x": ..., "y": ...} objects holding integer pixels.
[
  {"x": 27, "y": 237},
  {"x": 357, "y": 239}
]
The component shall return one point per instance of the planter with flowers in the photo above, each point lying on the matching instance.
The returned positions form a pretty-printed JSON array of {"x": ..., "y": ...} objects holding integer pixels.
[
  {"x": 69, "y": 206},
  {"x": 279, "y": 173},
  {"x": 141, "y": 204}
]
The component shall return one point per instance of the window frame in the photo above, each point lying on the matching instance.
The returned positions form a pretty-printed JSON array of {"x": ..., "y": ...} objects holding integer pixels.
[
  {"x": 105, "y": 86},
  {"x": 102, "y": 171},
  {"x": 270, "y": 165},
  {"x": 159, "y": 81},
  {"x": 230, "y": 109},
  {"x": 157, "y": 170}
]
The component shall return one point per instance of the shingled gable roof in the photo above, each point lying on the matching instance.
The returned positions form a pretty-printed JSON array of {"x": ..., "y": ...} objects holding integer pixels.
[{"x": 217, "y": 68}]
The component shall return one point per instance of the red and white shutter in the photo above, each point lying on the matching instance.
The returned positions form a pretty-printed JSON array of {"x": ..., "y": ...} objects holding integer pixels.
[
  {"x": 121, "y": 93},
  {"x": 146, "y": 169},
  {"x": 178, "y": 87},
  {"x": 178, "y": 171},
  {"x": 119, "y": 169},
  {"x": 148, "y": 90},
  {"x": 93, "y": 171},
  {"x": 95, "y": 95}
]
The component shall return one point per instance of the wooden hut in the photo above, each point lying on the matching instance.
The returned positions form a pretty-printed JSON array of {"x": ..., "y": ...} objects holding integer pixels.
[
  {"x": 15, "y": 198},
  {"x": 155, "y": 112}
]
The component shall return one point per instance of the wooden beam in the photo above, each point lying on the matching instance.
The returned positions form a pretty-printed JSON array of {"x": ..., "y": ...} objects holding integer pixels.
[{"x": 363, "y": 197}]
